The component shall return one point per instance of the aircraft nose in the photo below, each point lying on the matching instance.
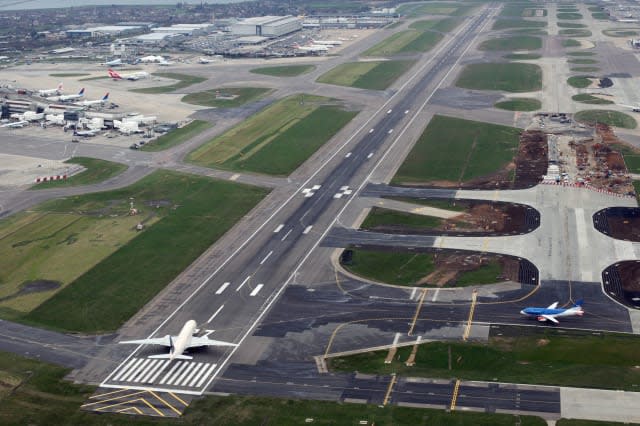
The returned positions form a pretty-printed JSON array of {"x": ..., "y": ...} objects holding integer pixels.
[{"x": 523, "y": 312}]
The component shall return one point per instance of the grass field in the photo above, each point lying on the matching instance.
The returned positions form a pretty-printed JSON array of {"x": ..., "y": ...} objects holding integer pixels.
[
  {"x": 580, "y": 81},
  {"x": 520, "y": 355},
  {"x": 590, "y": 99},
  {"x": 600, "y": 15},
  {"x": 569, "y": 15},
  {"x": 284, "y": 70},
  {"x": 184, "y": 80},
  {"x": 442, "y": 25},
  {"x": 518, "y": 9},
  {"x": 512, "y": 43},
  {"x": 277, "y": 139},
  {"x": 190, "y": 214},
  {"x": 503, "y": 24},
  {"x": 631, "y": 157},
  {"x": 227, "y": 97},
  {"x": 585, "y": 69},
  {"x": 571, "y": 43},
  {"x": 96, "y": 171},
  {"x": 413, "y": 11},
  {"x": 582, "y": 61},
  {"x": 36, "y": 395},
  {"x": 519, "y": 104},
  {"x": 581, "y": 53},
  {"x": 575, "y": 32},
  {"x": 612, "y": 118},
  {"x": 409, "y": 41},
  {"x": 621, "y": 32},
  {"x": 510, "y": 77},
  {"x": 177, "y": 136},
  {"x": 571, "y": 25},
  {"x": 379, "y": 216},
  {"x": 522, "y": 56},
  {"x": 375, "y": 75},
  {"x": 457, "y": 150}
]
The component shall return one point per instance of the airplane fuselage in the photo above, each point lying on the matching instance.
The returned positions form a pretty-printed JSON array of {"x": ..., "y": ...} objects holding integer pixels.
[{"x": 183, "y": 339}]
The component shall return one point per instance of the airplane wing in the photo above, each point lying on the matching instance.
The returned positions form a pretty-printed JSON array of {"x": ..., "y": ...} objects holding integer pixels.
[
  {"x": 550, "y": 318},
  {"x": 553, "y": 305},
  {"x": 205, "y": 341},
  {"x": 162, "y": 341}
]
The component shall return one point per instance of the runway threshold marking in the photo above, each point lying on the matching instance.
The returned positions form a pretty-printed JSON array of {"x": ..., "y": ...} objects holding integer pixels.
[
  {"x": 418, "y": 308},
  {"x": 467, "y": 329},
  {"x": 387, "y": 396},
  {"x": 454, "y": 397}
]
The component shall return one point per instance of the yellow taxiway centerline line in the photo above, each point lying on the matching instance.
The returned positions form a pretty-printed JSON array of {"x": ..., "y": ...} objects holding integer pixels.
[
  {"x": 467, "y": 329},
  {"x": 454, "y": 397},
  {"x": 111, "y": 399},
  {"x": 389, "y": 390},
  {"x": 418, "y": 308}
]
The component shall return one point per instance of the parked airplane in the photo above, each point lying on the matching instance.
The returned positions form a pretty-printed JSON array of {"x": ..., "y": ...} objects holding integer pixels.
[
  {"x": 326, "y": 42},
  {"x": 65, "y": 98},
  {"x": 28, "y": 116},
  {"x": 202, "y": 60},
  {"x": 94, "y": 102},
  {"x": 151, "y": 59},
  {"x": 552, "y": 312},
  {"x": 178, "y": 344},
  {"x": 132, "y": 76},
  {"x": 114, "y": 63},
  {"x": 85, "y": 133},
  {"x": 51, "y": 92},
  {"x": 311, "y": 49},
  {"x": 16, "y": 124}
]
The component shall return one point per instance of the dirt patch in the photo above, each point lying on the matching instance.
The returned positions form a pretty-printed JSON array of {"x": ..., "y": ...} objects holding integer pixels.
[
  {"x": 36, "y": 286},
  {"x": 483, "y": 217},
  {"x": 448, "y": 267},
  {"x": 542, "y": 342}
]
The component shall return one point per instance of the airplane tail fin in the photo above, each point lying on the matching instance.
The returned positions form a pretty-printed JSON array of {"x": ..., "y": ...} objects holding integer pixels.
[
  {"x": 105, "y": 97},
  {"x": 59, "y": 88},
  {"x": 113, "y": 74},
  {"x": 579, "y": 303},
  {"x": 81, "y": 92}
]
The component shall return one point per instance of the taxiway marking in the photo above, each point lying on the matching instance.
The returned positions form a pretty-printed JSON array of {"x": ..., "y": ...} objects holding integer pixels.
[
  {"x": 256, "y": 290},
  {"x": 278, "y": 229},
  {"x": 307, "y": 229},
  {"x": 243, "y": 283},
  {"x": 266, "y": 257},
  {"x": 286, "y": 235}
]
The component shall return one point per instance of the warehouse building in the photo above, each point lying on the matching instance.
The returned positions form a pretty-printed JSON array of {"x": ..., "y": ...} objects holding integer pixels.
[{"x": 267, "y": 26}]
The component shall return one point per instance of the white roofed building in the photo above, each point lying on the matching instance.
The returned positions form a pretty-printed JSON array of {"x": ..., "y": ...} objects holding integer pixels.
[{"x": 267, "y": 26}]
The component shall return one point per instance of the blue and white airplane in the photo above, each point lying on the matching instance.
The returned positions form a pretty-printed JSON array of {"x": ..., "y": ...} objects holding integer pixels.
[{"x": 552, "y": 312}]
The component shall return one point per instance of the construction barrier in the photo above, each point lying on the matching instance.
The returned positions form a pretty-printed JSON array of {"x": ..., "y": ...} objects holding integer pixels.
[{"x": 51, "y": 178}]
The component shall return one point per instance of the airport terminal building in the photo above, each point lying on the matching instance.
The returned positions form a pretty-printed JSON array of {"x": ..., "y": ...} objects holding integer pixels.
[{"x": 267, "y": 26}]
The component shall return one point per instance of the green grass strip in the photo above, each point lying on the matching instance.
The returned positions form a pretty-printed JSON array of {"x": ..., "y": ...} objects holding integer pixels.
[
  {"x": 96, "y": 171},
  {"x": 184, "y": 80},
  {"x": 227, "y": 97},
  {"x": 512, "y": 43},
  {"x": 590, "y": 99},
  {"x": 284, "y": 70},
  {"x": 580, "y": 81},
  {"x": 510, "y": 77},
  {"x": 612, "y": 118},
  {"x": 198, "y": 212},
  {"x": 177, "y": 136},
  {"x": 520, "y": 104}
]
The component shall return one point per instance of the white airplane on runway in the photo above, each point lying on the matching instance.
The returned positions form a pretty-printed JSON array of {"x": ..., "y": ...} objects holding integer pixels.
[{"x": 178, "y": 344}]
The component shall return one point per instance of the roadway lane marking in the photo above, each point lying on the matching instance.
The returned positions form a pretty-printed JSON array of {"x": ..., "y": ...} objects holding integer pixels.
[
  {"x": 348, "y": 155},
  {"x": 286, "y": 235},
  {"x": 467, "y": 330},
  {"x": 435, "y": 294},
  {"x": 243, "y": 283},
  {"x": 256, "y": 290},
  {"x": 278, "y": 229},
  {"x": 418, "y": 308},
  {"x": 266, "y": 257},
  {"x": 209, "y": 371},
  {"x": 307, "y": 229},
  {"x": 214, "y": 314},
  {"x": 454, "y": 397},
  {"x": 223, "y": 287},
  {"x": 166, "y": 376},
  {"x": 370, "y": 155}
]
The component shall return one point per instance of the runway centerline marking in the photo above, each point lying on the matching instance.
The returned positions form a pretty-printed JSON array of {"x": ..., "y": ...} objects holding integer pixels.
[
  {"x": 278, "y": 228},
  {"x": 223, "y": 287},
  {"x": 266, "y": 257},
  {"x": 214, "y": 314},
  {"x": 286, "y": 235},
  {"x": 243, "y": 283},
  {"x": 256, "y": 290}
]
